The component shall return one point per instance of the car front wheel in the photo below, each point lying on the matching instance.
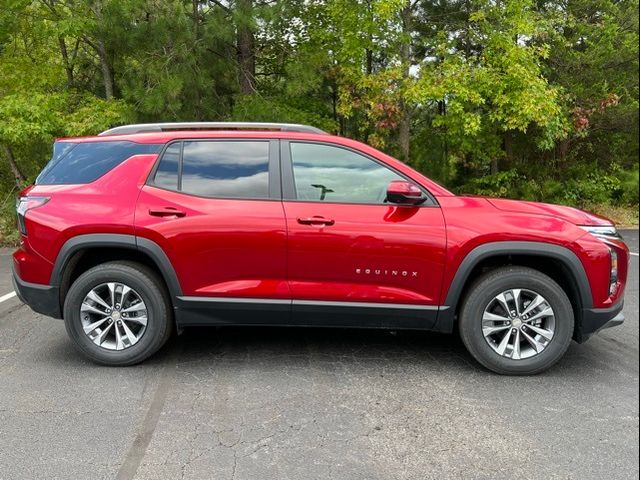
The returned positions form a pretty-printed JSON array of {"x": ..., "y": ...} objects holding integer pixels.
[{"x": 516, "y": 321}]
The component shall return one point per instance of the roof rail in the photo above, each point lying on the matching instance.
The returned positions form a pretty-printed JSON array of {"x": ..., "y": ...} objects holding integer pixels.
[{"x": 168, "y": 127}]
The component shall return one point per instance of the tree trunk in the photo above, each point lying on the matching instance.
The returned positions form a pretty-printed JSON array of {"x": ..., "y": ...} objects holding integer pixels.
[
  {"x": 13, "y": 166},
  {"x": 195, "y": 18},
  {"x": 404, "y": 133},
  {"x": 65, "y": 60},
  {"x": 442, "y": 110},
  {"x": 196, "y": 38},
  {"x": 246, "y": 48},
  {"x": 107, "y": 76},
  {"x": 494, "y": 166},
  {"x": 507, "y": 144},
  {"x": 334, "y": 107},
  {"x": 368, "y": 51}
]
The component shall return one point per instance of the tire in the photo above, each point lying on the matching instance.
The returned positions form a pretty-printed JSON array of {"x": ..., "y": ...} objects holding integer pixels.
[
  {"x": 484, "y": 293},
  {"x": 146, "y": 287}
]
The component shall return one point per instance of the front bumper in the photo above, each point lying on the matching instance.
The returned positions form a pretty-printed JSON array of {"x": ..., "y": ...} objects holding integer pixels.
[
  {"x": 44, "y": 299},
  {"x": 596, "y": 319}
]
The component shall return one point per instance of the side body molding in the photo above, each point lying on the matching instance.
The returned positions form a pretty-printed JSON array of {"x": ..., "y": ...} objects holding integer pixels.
[
  {"x": 104, "y": 240},
  {"x": 566, "y": 257}
]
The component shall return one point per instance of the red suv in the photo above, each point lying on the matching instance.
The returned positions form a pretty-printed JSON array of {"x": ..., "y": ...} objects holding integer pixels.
[{"x": 144, "y": 228}]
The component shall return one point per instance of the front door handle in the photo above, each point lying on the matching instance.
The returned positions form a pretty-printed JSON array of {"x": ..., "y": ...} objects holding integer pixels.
[
  {"x": 315, "y": 220},
  {"x": 166, "y": 212}
]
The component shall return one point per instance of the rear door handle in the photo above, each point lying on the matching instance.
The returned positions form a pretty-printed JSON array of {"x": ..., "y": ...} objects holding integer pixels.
[
  {"x": 316, "y": 220},
  {"x": 166, "y": 212}
]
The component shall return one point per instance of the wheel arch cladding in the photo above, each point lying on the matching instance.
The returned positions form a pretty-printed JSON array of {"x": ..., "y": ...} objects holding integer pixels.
[
  {"x": 562, "y": 255},
  {"x": 83, "y": 243}
]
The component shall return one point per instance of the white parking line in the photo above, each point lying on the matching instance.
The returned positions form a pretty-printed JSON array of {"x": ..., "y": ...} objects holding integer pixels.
[
  {"x": 7, "y": 296},
  {"x": 634, "y": 254}
]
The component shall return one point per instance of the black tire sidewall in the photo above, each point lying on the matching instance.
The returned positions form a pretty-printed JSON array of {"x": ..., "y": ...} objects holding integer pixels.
[
  {"x": 146, "y": 286},
  {"x": 487, "y": 288}
]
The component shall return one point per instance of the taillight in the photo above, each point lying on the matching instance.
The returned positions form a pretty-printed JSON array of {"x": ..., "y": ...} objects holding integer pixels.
[{"x": 23, "y": 205}]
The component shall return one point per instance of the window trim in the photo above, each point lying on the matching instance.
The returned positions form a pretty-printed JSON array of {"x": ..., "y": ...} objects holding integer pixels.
[
  {"x": 274, "y": 190},
  {"x": 289, "y": 193}
]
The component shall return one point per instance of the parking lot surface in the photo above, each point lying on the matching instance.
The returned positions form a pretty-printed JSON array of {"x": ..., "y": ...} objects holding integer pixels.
[{"x": 312, "y": 404}]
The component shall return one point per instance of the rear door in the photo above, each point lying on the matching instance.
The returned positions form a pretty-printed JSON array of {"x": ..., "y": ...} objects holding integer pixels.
[
  {"x": 353, "y": 258},
  {"x": 214, "y": 206}
]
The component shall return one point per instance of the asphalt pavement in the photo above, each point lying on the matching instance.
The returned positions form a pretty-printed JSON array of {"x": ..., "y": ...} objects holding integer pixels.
[{"x": 312, "y": 404}]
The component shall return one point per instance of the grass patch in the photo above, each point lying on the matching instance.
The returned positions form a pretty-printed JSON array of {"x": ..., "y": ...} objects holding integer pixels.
[{"x": 622, "y": 216}]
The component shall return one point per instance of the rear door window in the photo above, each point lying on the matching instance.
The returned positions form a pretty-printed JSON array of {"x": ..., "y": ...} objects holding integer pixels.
[
  {"x": 217, "y": 169},
  {"x": 78, "y": 163}
]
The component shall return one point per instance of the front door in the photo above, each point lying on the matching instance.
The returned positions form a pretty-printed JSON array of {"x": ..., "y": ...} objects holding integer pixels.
[{"x": 351, "y": 252}]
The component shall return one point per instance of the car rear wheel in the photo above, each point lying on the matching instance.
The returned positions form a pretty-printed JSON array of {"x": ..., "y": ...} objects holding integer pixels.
[
  {"x": 516, "y": 321},
  {"x": 118, "y": 313}
]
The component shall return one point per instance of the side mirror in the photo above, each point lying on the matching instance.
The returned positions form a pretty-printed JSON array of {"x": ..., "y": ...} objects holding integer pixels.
[{"x": 404, "y": 193}]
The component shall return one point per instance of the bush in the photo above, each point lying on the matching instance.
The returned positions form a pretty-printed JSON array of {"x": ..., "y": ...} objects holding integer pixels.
[
  {"x": 580, "y": 188},
  {"x": 502, "y": 184},
  {"x": 629, "y": 188},
  {"x": 8, "y": 227},
  {"x": 596, "y": 188}
]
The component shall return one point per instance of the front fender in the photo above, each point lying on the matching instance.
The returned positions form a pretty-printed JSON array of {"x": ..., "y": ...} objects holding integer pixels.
[{"x": 568, "y": 259}]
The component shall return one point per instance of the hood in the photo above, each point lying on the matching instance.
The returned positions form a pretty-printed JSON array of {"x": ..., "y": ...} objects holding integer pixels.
[{"x": 569, "y": 214}]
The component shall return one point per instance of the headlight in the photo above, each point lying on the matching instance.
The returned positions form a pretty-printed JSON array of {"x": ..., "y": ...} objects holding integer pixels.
[
  {"x": 608, "y": 231},
  {"x": 613, "y": 277}
]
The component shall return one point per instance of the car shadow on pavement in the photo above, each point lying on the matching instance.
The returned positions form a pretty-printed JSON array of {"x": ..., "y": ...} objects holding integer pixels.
[
  {"x": 291, "y": 345},
  {"x": 271, "y": 348}
]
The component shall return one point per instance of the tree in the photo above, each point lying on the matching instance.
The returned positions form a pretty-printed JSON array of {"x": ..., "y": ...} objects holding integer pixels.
[
  {"x": 487, "y": 69},
  {"x": 467, "y": 91},
  {"x": 36, "y": 103},
  {"x": 593, "y": 57}
]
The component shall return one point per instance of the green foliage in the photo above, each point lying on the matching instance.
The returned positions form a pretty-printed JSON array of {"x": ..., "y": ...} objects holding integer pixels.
[
  {"x": 8, "y": 231},
  {"x": 629, "y": 187},
  {"x": 250, "y": 108},
  {"x": 585, "y": 189},
  {"x": 521, "y": 98},
  {"x": 502, "y": 184},
  {"x": 90, "y": 114},
  {"x": 492, "y": 81},
  {"x": 29, "y": 118},
  {"x": 596, "y": 187}
]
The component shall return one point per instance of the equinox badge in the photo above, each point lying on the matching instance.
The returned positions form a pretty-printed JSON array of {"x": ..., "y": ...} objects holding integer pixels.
[{"x": 392, "y": 273}]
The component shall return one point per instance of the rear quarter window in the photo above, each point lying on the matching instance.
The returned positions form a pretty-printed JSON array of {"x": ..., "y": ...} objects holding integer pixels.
[{"x": 77, "y": 163}]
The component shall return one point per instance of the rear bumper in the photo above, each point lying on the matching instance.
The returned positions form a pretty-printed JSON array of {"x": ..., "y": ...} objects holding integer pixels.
[
  {"x": 43, "y": 299},
  {"x": 596, "y": 319}
]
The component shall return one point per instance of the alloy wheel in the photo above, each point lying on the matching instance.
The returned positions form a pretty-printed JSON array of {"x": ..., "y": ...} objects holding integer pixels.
[
  {"x": 518, "y": 323},
  {"x": 113, "y": 316}
]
